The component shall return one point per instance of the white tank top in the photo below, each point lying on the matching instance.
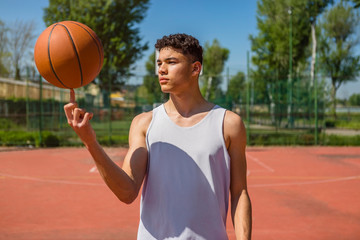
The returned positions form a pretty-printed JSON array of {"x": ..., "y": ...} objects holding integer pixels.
[{"x": 186, "y": 189}]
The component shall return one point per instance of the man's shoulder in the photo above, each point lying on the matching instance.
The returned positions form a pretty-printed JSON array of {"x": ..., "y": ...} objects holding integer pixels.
[
  {"x": 142, "y": 120},
  {"x": 234, "y": 128},
  {"x": 232, "y": 119}
]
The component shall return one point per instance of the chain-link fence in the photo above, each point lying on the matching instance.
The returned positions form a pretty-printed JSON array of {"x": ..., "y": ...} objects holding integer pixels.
[
  {"x": 294, "y": 112},
  {"x": 276, "y": 112}
]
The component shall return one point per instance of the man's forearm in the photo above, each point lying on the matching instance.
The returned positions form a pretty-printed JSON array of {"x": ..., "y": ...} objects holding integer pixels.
[
  {"x": 242, "y": 216},
  {"x": 116, "y": 178}
]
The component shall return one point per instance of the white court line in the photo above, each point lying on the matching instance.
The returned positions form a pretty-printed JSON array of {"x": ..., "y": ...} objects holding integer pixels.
[
  {"x": 352, "y": 162},
  {"x": 260, "y": 163},
  {"x": 251, "y": 185},
  {"x": 94, "y": 170},
  {"x": 50, "y": 181},
  {"x": 305, "y": 183}
]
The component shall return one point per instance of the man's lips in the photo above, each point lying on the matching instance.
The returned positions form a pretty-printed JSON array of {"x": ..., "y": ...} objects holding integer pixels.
[{"x": 163, "y": 80}]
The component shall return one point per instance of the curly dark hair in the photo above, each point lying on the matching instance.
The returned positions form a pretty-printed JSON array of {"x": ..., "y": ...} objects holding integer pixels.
[{"x": 184, "y": 42}]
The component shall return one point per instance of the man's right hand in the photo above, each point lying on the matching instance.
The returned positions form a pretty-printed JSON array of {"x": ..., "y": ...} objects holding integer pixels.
[{"x": 79, "y": 120}]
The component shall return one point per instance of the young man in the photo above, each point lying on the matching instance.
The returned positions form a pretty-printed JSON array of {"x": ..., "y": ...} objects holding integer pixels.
[{"x": 188, "y": 152}]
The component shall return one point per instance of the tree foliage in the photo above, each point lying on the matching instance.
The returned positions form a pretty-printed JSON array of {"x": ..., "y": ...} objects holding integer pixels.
[
  {"x": 4, "y": 54},
  {"x": 214, "y": 60},
  {"x": 21, "y": 36},
  {"x": 271, "y": 45},
  {"x": 115, "y": 23},
  {"x": 354, "y": 99},
  {"x": 315, "y": 8},
  {"x": 151, "y": 82},
  {"x": 284, "y": 27},
  {"x": 337, "y": 46},
  {"x": 357, "y": 3},
  {"x": 236, "y": 87}
]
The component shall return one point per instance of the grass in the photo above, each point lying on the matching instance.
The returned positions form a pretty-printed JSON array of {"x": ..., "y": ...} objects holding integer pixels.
[
  {"x": 348, "y": 121},
  {"x": 15, "y": 135},
  {"x": 103, "y": 126},
  {"x": 355, "y": 125}
]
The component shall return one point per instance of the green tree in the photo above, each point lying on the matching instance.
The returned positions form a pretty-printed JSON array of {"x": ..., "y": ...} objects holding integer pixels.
[
  {"x": 271, "y": 45},
  {"x": 337, "y": 46},
  {"x": 315, "y": 8},
  {"x": 236, "y": 88},
  {"x": 142, "y": 96},
  {"x": 115, "y": 23},
  {"x": 21, "y": 36},
  {"x": 4, "y": 54},
  {"x": 214, "y": 60},
  {"x": 354, "y": 99},
  {"x": 151, "y": 82},
  {"x": 357, "y": 3},
  {"x": 277, "y": 20},
  {"x": 271, "y": 54}
]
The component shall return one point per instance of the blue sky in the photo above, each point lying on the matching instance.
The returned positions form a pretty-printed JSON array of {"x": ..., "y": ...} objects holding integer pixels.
[{"x": 229, "y": 21}]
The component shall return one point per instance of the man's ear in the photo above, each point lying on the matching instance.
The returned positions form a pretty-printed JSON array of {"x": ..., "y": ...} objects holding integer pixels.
[{"x": 197, "y": 67}]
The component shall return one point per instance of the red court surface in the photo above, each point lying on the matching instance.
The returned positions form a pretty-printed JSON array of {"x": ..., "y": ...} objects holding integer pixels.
[{"x": 296, "y": 193}]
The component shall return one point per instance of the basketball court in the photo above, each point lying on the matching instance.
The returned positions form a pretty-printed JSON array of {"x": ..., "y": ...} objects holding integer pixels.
[{"x": 296, "y": 193}]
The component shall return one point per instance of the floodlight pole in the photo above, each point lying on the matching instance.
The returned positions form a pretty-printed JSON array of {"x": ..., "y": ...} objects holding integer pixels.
[
  {"x": 248, "y": 101},
  {"x": 316, "y": 103},
  {"x": 61, "y": 111},
  {"x": 290, "y": 117},
  {"x": 110, "y": 113},
  {"x": 27, "y": 98},
  {"x": 41, "y": 111}
]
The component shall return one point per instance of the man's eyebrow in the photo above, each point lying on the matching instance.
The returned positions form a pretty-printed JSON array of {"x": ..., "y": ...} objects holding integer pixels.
[{"x": 168, "y": 59}]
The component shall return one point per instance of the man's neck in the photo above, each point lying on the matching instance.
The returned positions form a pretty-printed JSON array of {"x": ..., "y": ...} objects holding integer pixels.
[{"x": 187, "y": 105}]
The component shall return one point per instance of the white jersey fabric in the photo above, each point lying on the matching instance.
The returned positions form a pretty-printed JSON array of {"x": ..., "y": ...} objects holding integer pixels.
[{"x": 186, "y": 189}]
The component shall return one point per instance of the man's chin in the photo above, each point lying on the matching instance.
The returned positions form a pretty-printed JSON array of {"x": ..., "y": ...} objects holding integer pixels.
[{"x": 165, "y": 90}]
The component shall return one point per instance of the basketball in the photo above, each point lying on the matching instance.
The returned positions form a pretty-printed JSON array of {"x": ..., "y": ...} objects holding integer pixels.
[{"x": 68, "y": 54}]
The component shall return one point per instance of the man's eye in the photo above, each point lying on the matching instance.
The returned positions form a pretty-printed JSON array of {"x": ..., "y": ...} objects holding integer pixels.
[{"x": 172, "y": 62}]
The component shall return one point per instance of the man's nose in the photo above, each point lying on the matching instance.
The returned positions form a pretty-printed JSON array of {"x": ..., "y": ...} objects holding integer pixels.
[{"x": 162, "y": 69}]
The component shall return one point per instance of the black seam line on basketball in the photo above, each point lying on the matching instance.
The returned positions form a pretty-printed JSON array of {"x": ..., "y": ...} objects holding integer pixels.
[
  {"x": 96, "y": 43},
  {"x": 51, "y": 65},
  {"x": 77, "y": 55}
]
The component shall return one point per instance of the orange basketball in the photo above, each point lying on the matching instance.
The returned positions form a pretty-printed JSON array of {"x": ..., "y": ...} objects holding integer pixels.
[{"x": 68, "y": 54}]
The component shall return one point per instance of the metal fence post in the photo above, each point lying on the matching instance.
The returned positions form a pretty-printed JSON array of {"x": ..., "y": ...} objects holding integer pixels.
[
  {"x": 110, "y": 112},
  {"x": 27, "y": 98},
  {"x": 41, "y": 112},
  {"x": 248, "y": 101}
]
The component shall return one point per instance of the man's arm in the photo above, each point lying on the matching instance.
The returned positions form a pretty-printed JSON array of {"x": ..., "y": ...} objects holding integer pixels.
[
  {"x": 125, "y": 182},
  {"x": 235, "y": 138}
]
